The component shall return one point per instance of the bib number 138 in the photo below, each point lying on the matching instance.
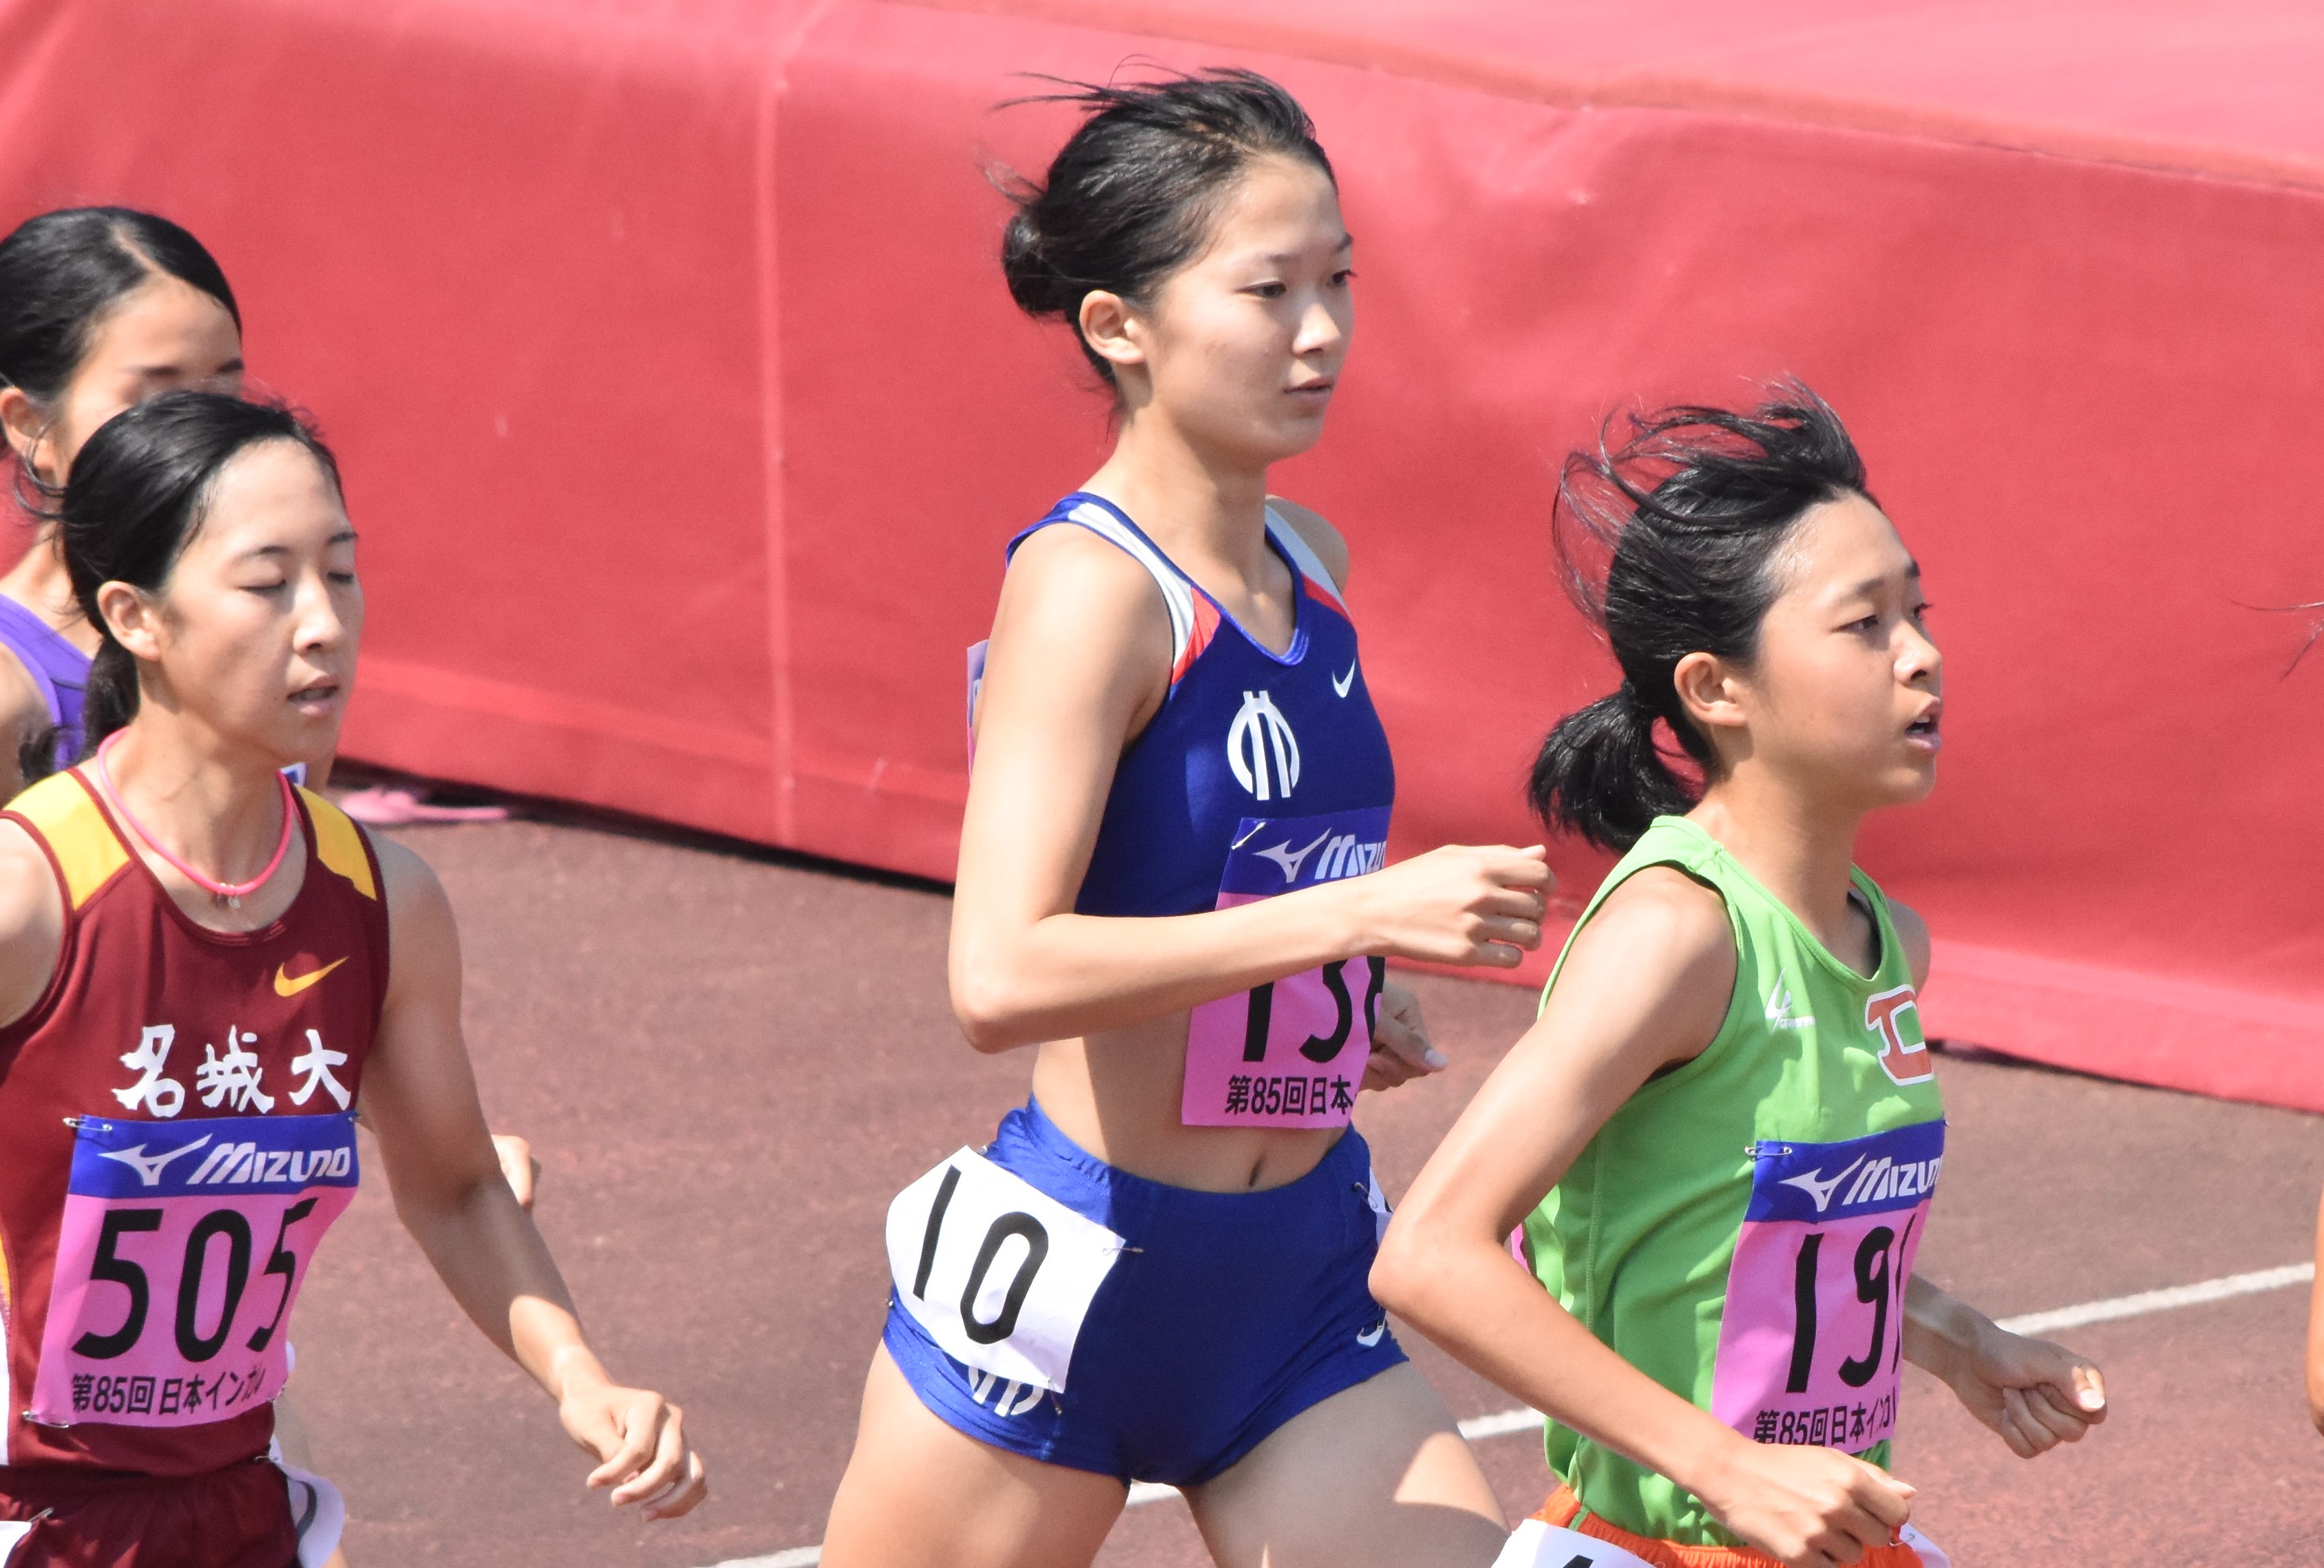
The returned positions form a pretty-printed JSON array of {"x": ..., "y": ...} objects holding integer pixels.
[{"x": 998, "y": 1273}]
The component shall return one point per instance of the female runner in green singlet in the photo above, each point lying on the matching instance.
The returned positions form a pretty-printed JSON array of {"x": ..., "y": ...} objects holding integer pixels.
[{"x": 1722, "y": 1133}]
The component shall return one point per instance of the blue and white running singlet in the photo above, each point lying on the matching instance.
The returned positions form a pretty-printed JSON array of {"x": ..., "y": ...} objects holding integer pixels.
[
  {"x": 1053, "y": 1306},
  {"x": 1261, "y": 773}
]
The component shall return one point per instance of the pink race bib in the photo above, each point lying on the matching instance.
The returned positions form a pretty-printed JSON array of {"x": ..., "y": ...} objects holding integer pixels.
[
  {"x": 1290, "y": 1052},
  {"x": 181, "y": 1250},
  {"x": 1812, "y": 1340}
]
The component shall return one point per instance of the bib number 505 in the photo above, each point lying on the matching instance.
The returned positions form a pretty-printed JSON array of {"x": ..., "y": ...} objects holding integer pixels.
[{"x": 998, "y": 1272}]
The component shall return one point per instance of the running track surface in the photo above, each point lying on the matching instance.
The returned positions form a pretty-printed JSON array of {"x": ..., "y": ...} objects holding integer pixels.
[{"x": 729, "y": 1063}]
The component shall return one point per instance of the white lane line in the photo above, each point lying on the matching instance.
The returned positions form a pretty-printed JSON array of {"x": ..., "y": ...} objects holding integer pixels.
[
  {"x": 1477, "y": 1428},
  {"x": 2147, "y": 1301},
  {"x": 1506, "y": 1423}
]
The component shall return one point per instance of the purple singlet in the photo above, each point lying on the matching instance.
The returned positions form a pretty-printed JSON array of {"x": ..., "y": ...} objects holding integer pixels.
[{"x": 59, "y": 669}]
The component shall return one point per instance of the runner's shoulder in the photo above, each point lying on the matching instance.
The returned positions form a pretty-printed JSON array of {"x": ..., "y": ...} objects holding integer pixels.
[
  {"x": 1066, "y": 584},
  {"x": 1666, "y": 925},
  {"x": 1912, "y": 935},
  {"x": 1322, "y": 537},
  {"x": 413, "y": 891}
]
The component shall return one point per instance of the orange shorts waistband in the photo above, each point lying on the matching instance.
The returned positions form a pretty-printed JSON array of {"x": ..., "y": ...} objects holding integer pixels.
[{"x": 1564, "y": 1509}]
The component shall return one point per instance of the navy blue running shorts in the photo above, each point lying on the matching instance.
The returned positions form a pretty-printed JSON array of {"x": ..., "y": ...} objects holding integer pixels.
[{"x": 1219, "y": 1317}]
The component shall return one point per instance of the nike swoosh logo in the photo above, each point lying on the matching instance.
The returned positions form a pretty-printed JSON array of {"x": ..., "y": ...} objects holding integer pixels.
[
  {"x": 1340, "y": 683},
  {"x": 1372, "y": 1336},
  {"x": 286, "y": 986}
]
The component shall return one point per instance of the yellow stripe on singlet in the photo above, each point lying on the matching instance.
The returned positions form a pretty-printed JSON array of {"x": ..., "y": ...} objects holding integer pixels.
[
  {"x": 338, "y": 842},
  {"x": 87, "y": 850}
]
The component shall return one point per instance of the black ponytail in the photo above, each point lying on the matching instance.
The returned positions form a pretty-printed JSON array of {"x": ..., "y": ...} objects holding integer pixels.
[
  {"x": 138, "y": 492},
  {"x": 1688, "y": 517},
  {"x": 1130, "y": 196}
]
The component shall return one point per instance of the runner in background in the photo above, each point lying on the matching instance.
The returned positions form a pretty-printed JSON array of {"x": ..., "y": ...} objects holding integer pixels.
[
  {"x": 1170, "y": 882},
  {"x": 159, "y": 1211},
  {"x": 1724, "y": 1132},
  {"x": 100, "y": 309}
]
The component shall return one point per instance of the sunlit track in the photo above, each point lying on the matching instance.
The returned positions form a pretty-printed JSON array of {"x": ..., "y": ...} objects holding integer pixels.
[{"x": 1506, "y": 1423}]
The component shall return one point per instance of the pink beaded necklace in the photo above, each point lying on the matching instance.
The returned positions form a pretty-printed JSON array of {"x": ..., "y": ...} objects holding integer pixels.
[{"x": 227, "y": 894}]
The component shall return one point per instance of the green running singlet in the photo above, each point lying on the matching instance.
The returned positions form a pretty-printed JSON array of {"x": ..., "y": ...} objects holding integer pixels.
[{"x": 1742, "y": 1227}]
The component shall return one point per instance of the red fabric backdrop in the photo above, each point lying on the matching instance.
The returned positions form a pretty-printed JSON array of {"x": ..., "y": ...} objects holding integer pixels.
[{"x": 685, "y": 413}]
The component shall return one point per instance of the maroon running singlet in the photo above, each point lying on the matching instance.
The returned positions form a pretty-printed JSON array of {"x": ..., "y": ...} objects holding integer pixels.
[{"x": 178, "y": 1112}]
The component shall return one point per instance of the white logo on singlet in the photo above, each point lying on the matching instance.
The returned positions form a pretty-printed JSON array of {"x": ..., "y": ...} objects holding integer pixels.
[
  {"x": 1258, "y": 735},
  {"x": 1340, "y": 683},
  {"x": 1291, "y": 860},
  {"x": 1815, "y": 1186},
  {"x": 1779, "y": 1008}
]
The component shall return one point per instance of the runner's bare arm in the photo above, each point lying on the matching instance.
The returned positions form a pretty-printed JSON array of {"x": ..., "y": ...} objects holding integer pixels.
[
  {"x": 22, "y": 715},
  {"x": 2036, "y": 1395},
  {"x": 1079, "y": 662},
  {"x": 419, "y": 1097},
  {"x": 2315, "y": 1329},
  {"x": 32, "y": 922},
  {"x": 1646, "y": 985}
]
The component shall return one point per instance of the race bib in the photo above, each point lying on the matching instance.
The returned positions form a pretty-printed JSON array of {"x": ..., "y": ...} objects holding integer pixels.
[
  {"x": 1000, "y": 1273},
  {"x": 1812, "y": 1341},
  {"x": 1290, "y": 1052},
  {"x": 182, "y": 1247},
  {"x": 1538, "y": 1543}
]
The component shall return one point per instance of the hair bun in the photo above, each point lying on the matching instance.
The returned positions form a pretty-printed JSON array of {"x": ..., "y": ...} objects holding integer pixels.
[
  {"x": 1131, "y": 195},
  {"x": 1034, "y": 281}
]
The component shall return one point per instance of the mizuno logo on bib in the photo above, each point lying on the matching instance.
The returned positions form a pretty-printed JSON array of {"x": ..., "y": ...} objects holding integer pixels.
[
  {"x": 182, "y": 1249},
  {"x": 1290, "y": 1052},
  {"x": 1000, "y": 1273},
  {"x": 1812, "y": 1337}
]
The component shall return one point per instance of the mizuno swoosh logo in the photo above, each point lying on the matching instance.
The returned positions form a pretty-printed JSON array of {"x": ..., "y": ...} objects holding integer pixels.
[
  {"x": 1340, "y": 683},
  {"x": 149, "y": 1167},
  {"x": 1283, "y": 854},
  {"x": 284, "y": 985},
  {"x": 1821, "y": 1191}
]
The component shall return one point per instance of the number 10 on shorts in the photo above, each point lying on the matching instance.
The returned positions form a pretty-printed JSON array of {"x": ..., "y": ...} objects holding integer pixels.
[{"x": 998, "y": 1273}]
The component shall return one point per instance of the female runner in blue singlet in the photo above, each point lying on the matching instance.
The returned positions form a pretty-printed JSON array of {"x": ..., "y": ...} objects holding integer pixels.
[{"x": 1171, "y": 881}]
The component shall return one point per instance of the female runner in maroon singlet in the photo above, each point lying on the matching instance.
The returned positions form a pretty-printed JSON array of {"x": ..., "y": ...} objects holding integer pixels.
[{"x": 202, "y": 971}]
